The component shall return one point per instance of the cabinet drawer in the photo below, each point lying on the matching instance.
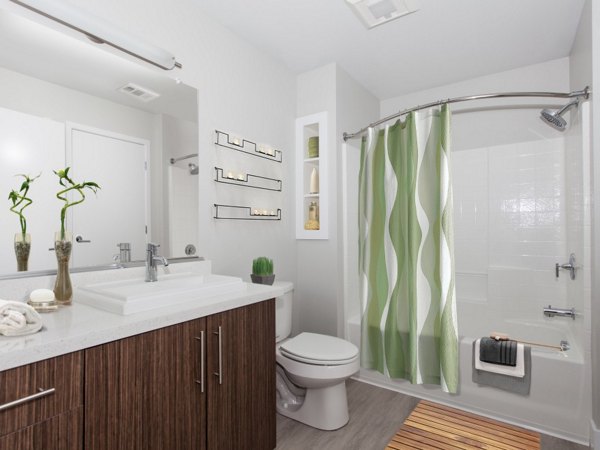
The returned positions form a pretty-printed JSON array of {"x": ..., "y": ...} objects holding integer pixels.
[
  {"x": 36, "y": 392},
  {"x": 63, "y": 432}
]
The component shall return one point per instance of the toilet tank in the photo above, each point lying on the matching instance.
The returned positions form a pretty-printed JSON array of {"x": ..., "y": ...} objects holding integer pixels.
[{"x": 283, "y": 311}]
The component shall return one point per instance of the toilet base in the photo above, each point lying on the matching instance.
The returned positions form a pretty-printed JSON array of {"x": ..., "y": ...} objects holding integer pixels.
[{"x": 323, "y": 408}]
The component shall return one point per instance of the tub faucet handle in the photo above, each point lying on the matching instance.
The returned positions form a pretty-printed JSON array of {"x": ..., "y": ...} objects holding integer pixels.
[{"x": 570, "y": 266}]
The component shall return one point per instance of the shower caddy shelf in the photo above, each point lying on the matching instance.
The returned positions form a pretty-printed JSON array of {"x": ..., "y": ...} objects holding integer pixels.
[
  {"x": 246, "y": 180},
  {"x": 248, "y": 212},
  {"x": 225, "y": 140}
]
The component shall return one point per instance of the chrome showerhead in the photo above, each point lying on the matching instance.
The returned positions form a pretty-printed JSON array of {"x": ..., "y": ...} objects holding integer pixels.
[
  {"x": 193, "y": 169},
  {"x": 554, "y": 117}
]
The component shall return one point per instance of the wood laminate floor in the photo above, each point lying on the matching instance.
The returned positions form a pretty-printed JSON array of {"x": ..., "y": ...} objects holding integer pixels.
[{"x": 376, "y": 415}]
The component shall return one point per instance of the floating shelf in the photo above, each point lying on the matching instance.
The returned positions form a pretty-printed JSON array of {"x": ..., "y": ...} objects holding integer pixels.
[
  {"x": 245, "y": 146},
  {"x": 248, "y": 180},
  {"x": 237, "y": 212}
]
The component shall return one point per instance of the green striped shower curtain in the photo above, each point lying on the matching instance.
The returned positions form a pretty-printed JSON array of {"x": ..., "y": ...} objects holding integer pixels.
[{"x": 406, "y": 251}]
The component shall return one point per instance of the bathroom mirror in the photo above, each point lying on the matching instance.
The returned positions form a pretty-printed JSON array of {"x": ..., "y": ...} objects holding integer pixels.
[{"x": 65, "y": 102}]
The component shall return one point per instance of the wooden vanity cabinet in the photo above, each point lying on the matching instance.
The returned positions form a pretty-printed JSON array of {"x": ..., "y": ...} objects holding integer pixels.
[
  {"x": 204, "y": 384},
  {"x": 41, "y": 405}
]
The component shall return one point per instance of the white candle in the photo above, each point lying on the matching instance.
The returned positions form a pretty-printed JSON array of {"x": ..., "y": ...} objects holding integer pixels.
[
  {"x": 255, "y": 212},
  {"x": 241, "y": 177},
  {"x": 236, "y": 141},
  {"x": 264, "y": 211},
  {"x": 273, "y": 213},
  {"x": 230, "y": 174},
  {"x": 270, "y": 152}
]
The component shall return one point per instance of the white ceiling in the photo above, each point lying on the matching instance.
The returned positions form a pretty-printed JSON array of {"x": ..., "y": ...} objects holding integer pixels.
[{"x": 444, "y": 42}]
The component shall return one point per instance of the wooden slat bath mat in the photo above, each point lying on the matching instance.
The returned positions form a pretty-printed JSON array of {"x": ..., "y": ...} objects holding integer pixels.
[{"x": 434, "y": 426}]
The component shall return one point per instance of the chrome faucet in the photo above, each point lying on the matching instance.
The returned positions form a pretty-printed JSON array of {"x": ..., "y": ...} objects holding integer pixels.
[
  {"x": 124, "y": 255},
  {"x": 152, "y": 259},
  {"x": 549, "y": 311}
]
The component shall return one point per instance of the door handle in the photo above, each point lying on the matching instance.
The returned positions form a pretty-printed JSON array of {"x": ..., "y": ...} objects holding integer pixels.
[
  {"x": 79, "y": 238},
  {"x": 41, "y": 393},
  {"x": 219, "y": 374},
  {"x": 201, "y": 382}
]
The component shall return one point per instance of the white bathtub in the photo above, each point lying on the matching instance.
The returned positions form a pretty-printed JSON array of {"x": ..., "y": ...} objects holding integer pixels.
[{"x": 558, "y": 404}]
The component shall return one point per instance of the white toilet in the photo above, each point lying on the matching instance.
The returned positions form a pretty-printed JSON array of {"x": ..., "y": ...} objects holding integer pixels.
[{"x": 311, "y": 371}]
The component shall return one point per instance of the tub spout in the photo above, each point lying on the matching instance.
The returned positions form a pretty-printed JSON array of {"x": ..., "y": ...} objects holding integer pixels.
[{"x": 549, "y": 311}]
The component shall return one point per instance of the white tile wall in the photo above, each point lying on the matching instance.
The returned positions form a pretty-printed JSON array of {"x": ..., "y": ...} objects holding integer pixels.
[{"x": 512, "y": 226}]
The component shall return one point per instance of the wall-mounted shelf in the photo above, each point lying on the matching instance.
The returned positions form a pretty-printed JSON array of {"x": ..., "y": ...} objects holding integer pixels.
[
  {"x": 245, "y": 146},
  {"x": 237, "y": 212},
  {"x": 311, "y": 128},
  {"x": 248, "y": 180}
]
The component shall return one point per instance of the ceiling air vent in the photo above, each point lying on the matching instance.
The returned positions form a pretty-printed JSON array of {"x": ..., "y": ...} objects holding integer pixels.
[
  {"x": 139, "y": 92},
  {"x": 377, "y": 12}
]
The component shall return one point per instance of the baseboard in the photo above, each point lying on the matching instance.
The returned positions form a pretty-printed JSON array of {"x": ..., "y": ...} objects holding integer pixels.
[{"x": 594, "y": 435}]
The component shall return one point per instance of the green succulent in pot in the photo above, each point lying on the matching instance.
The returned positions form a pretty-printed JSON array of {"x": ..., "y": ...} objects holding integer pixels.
[
  {"x": 20, "y": 201},
  {"x": 262, "y": 271}
]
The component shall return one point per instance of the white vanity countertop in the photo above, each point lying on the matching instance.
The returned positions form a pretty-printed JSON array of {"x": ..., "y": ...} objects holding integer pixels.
[{"x": 79, "y": 326}]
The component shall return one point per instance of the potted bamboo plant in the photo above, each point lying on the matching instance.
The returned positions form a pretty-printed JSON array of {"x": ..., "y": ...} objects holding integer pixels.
[
  {"x": 262, "y": 271},
  {"x": 63, "y": 241},
  {"x": 20, "y": 201}
]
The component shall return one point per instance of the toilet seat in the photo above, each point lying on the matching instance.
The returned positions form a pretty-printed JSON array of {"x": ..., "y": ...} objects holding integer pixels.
[{"x": 318, "y": 349}]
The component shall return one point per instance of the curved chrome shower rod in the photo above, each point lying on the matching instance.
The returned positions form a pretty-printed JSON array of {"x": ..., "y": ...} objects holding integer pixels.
[{"x": 585, "y": 93}]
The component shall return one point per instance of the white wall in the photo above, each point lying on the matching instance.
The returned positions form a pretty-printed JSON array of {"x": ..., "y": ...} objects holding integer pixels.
[
  {"x": 315, "y": 298},
  {"x": 495, "y": 122},
  {"x": 595, "y": 151},
  {"x": 240, "y": 89},
  {"x": 320, "y": 298}
]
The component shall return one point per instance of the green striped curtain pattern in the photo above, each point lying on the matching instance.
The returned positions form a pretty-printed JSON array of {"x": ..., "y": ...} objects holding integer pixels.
[{"x": 406, "y": 251}]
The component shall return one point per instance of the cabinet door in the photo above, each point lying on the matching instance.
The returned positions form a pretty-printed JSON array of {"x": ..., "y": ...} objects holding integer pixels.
[
  {"x": 241, "y": 388},
  {"x": 45, "y": 389},
  {"x": 144, "y": 392},
  {"x": 62, "y": 432}
]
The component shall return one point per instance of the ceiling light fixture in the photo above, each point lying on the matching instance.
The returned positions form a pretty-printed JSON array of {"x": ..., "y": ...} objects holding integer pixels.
[
  {"x": 101, "y": 31},
  {"x": 373, "y": 13}
]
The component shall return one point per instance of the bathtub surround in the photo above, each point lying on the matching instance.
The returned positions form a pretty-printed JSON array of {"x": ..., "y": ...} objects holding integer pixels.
[{"x": 406, "y": 251}]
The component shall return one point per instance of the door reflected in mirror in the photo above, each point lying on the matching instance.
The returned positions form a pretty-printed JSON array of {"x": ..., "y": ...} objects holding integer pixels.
[{"x": 67, "y": 103}]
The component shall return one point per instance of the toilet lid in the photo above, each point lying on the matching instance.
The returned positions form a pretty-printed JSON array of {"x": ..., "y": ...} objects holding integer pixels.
[{"x": 311, "y": 347}]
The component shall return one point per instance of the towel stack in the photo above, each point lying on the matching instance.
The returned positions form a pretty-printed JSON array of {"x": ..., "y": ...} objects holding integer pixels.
[
  {"x": 498, "y": 352},
  {"x": 504, "y": 364},
  {"x": 18, "y": 319}
]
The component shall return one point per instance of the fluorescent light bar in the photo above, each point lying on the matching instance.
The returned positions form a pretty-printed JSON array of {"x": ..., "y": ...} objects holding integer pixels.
[{"x": 101, "y": 31}]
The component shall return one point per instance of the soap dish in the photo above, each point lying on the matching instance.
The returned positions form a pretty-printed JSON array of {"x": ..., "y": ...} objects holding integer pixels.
[{"x": 42, "y": 300}]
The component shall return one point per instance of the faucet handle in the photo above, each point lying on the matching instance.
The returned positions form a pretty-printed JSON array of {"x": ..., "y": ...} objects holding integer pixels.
[{"x": 153, "y": 247}]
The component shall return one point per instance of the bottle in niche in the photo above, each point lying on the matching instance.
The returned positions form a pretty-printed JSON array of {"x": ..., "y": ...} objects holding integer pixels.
[
  {"x": 313, "y": 217},
  {"x": 314, "y": 181},
  {"x": 313, "y": 147}
]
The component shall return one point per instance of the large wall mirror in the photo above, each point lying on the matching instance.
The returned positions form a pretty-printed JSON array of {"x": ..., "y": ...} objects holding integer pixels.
[{"x": 133, "y": 130}]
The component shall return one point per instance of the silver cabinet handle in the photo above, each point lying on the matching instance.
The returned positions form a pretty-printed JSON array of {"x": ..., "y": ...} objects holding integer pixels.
[
  {"x": 220, "y": 372},
  {"x": 42, "y": 393},
  {"x": 79, "y": 238},
  {"x": 201, "y": 382}
]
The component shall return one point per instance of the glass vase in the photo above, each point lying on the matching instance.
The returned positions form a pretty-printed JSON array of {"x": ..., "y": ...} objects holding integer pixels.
[
  {"x": 63, "y": 290},
  {"x": 22, "y": 249}
]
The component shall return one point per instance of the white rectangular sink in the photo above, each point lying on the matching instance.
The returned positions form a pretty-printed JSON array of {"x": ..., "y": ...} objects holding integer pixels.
[{"x": 132, "y": 296}]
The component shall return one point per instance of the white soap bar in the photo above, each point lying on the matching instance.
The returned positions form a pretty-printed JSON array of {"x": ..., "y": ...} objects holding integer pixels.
[{"x": 41, "y": 296}]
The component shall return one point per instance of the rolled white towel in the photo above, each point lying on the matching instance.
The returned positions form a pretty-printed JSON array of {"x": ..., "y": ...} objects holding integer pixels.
[{"x": 18, "y": 319}]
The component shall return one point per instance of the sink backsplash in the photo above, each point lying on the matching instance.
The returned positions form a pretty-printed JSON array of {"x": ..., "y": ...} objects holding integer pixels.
[{"x": 19, "y": 288}]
